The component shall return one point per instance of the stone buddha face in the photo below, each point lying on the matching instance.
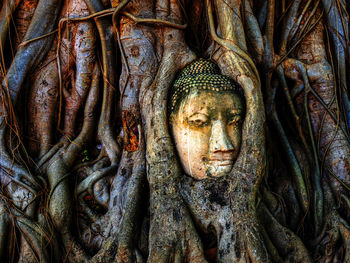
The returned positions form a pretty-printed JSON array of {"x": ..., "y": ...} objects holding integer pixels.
[{"x": 206, "y": 125}]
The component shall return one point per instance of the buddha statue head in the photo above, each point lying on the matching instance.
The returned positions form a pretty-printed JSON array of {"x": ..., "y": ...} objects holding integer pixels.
[{"x": 206, "y": 111}]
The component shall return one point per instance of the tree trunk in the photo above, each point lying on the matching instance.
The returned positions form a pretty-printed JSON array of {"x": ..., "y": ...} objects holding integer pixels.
[{"x": 90, "y": 171}]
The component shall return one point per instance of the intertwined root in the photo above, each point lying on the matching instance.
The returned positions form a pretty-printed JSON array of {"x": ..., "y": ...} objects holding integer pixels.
[{"x": 74, "y": 105}]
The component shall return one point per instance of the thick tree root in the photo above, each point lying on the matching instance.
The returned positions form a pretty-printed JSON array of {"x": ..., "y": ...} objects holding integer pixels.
[
  {"x": 289, "y": 245},
  {"x": 128, "y": 200}
]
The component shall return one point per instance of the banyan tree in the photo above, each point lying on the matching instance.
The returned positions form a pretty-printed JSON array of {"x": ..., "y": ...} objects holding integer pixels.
[{"x": 174, "y": 131}]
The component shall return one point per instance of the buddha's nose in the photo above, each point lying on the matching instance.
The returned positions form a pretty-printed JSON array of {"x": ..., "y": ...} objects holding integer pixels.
[{"x": 219, "y": 139}]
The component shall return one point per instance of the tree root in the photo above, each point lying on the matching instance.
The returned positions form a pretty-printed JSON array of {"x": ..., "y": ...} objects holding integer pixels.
[
  {"x": 4, "y": 229},
  {"x": 27, "y": 58},
  {"x": 152, "y": 39},
  {"x": 108, "y": 64},
  {"x": 88, "y": 183},
  {"x": 180, "y": 240},
  {"x": 7, "y": 10},
  {"x": 289, "y": 245}
]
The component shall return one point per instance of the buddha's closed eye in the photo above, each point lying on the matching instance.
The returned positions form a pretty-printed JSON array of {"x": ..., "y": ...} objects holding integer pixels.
[{"x": 198, "y": 120}]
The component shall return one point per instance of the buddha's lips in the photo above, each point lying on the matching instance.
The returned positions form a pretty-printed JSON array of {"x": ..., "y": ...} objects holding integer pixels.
[
  {"x": 221, "y": 162},
  {"x": 221, "y": 157}
]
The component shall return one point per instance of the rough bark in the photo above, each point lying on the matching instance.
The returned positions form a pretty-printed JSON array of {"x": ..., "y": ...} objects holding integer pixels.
[{"x": 89, "y": 170}]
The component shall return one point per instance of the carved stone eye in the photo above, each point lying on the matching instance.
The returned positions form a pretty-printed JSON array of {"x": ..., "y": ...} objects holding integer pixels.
[{"x": 198, "y": 120}]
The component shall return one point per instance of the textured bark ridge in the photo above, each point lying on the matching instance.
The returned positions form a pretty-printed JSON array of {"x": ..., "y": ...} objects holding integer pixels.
[{"x": 88, "y": 167}]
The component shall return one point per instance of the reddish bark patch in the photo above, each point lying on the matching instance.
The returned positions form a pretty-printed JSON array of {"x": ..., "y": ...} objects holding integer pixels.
[
  {"x": 30, "y": 3},
  {"x": 131, "y": 133}
]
